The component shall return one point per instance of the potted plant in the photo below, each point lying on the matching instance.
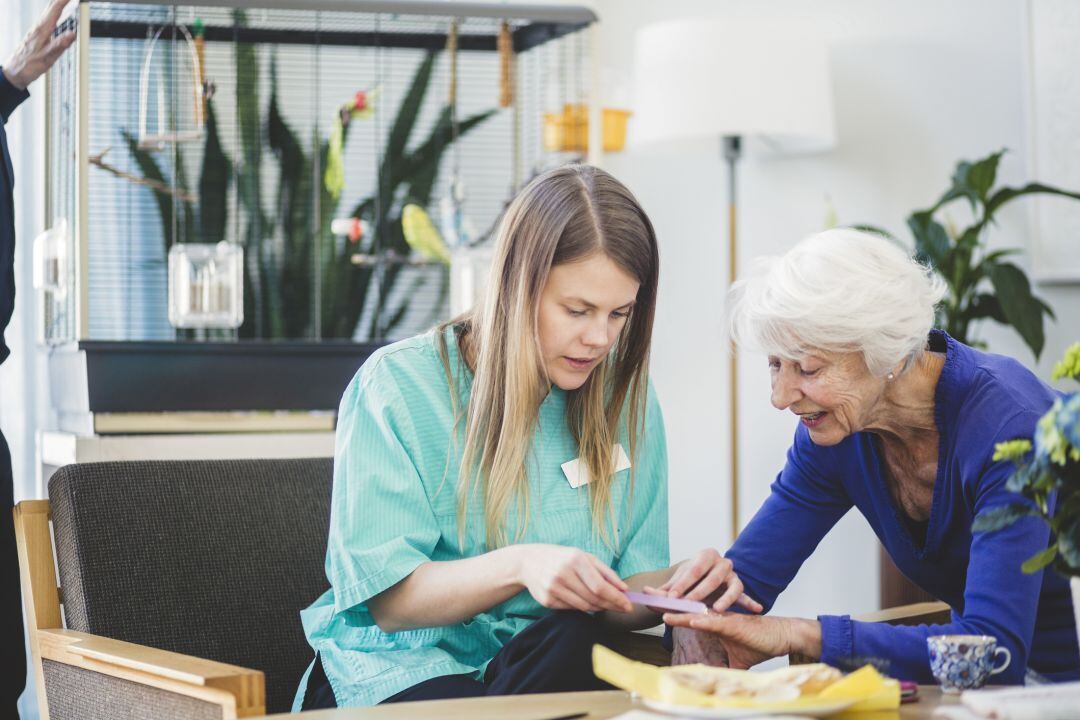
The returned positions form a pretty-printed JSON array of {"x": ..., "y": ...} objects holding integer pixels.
[
  {"x": 961, "y": 257},
  {"x": 1048, "y": 476}
]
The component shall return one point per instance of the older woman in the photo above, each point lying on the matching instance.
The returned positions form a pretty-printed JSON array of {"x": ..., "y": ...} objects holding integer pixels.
[{"x": 899, "y": 421}]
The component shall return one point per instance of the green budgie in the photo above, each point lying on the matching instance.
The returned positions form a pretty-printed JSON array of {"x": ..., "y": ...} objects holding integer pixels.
[{"x": 422, "y": 235}]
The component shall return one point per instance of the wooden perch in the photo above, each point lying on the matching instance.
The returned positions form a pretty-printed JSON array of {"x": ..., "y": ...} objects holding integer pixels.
[{"x": 155, "y": 185}]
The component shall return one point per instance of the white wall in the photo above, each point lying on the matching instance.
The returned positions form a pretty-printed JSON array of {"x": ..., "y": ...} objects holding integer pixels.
[{"x": 918, "y": 85}]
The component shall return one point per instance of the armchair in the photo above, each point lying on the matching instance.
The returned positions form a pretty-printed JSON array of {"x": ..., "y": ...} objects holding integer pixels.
[{"x": 181, "y": 585}]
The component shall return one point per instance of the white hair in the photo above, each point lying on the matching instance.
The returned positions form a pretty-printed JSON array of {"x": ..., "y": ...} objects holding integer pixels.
[{"x": 841, "y": 290}]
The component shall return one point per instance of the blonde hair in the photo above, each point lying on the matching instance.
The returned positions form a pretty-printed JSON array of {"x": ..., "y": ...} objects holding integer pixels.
[
  {"x": 842, "y": 290},
  {"x": 562, "y": 216}
]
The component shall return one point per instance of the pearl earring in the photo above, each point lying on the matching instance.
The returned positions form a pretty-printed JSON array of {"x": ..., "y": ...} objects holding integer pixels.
[{"x": 890, "y": 376}]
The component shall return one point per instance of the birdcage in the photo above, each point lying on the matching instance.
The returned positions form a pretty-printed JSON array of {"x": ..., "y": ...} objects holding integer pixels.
[{"x": 307, "y": 168}]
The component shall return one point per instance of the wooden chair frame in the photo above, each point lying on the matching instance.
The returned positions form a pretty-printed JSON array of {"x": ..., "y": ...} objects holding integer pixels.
[{"x": 240, "y": 692}]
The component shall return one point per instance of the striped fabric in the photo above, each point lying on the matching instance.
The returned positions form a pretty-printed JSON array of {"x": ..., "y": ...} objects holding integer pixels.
[{"x": 394, "y": 507}]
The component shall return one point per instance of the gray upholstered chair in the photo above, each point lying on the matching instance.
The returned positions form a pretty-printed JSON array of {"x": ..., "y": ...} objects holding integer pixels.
[{"x": 181, "y": 585}]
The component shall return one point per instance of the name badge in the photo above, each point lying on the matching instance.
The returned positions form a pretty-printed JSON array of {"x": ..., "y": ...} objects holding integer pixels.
[{"x": 577, "y": 474}]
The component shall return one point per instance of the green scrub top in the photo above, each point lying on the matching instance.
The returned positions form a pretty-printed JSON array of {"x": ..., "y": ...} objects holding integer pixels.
[{"x": 394, "y": 507}]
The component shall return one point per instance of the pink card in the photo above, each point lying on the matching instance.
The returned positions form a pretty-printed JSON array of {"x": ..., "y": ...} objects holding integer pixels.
[{"x": 666, "y": 603}]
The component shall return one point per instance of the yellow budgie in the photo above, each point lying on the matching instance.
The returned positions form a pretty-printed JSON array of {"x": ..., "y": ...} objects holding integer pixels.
[{"x": 422, "y": 235}]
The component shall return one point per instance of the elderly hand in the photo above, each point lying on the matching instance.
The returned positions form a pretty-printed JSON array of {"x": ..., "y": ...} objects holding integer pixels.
[
  {"x": 40, "y": 48},
  {"x": 705, "y": 576},
  {"x": 690, "y": 647},
  {"x": 742, "y": 641}
]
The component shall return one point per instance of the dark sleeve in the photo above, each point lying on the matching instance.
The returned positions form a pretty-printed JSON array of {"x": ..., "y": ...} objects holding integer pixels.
[
  {"x": 806, "y": 501},
  {"x": 999, "y": 599},
  {"x": 10, "y": 97}
]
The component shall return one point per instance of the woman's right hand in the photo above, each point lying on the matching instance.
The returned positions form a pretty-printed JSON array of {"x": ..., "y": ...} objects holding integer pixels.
[
  {"x": 566, "y": 578},
  {"x": 708, "y": 577}
]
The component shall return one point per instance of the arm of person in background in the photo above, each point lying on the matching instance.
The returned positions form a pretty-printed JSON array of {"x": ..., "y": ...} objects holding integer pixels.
[
  {"x": 804, "y": 504},
  {"x": 39, "y": 49}
]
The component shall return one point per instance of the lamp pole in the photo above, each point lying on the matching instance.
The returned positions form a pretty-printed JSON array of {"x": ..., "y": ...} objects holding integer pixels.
[{"x": 732, "y": 148}]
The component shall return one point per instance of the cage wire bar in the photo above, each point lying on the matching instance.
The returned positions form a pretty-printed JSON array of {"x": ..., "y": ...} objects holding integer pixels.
[{"x": 293, "y": 63}]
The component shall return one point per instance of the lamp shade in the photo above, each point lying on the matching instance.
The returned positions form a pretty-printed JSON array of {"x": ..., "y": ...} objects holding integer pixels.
[{"x": 699, "y": 78}]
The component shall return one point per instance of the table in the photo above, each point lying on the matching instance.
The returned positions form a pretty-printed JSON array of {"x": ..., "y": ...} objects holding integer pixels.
[{"x": 599, "y": 705}]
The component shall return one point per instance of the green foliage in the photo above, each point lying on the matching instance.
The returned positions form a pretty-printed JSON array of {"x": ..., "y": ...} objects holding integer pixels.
[
  {"x": 1069, "y": 366},
  {"x": 288, "y": 249},
  {"x": 1047, "y": 475},
  {"x": 961, "y": 258},
  {"x": 403, "y": 177}
]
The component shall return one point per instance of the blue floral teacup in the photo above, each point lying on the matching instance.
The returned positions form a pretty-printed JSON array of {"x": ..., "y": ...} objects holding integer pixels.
[{"x": 963, "y": 662}]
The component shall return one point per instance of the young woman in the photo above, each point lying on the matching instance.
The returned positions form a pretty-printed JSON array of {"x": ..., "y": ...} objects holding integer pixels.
[{"x": 509, "y": 464}]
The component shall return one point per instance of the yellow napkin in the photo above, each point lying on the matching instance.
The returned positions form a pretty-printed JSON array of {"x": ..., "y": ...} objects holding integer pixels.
[{"x": 868, "y": 689}]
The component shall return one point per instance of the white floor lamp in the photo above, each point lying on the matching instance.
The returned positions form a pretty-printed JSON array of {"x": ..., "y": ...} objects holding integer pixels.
[{"x": 717, "y": 78}]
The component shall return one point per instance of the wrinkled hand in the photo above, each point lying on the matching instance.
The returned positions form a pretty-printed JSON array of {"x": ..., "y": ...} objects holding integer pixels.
[
  {"x": 40, "y": 48},
  {"x": 708, "y": 577},
  {"x": 566, "y": 578},
  {"x": 697, "y": 646},
  {"x": 744, "y": 640}
]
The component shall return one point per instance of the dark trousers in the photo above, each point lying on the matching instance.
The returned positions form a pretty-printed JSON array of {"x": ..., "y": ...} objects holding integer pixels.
[
  {"x": 12, "y": 648},
  {"x": 554, "y": 654}
]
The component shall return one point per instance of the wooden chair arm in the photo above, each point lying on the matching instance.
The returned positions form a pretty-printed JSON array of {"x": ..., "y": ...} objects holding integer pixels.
[
  {"x": 228, "y": 685},
  {"x": 915, "y": 614}
]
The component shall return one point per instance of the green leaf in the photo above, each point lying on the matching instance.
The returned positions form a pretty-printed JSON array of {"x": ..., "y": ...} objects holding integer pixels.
[
  {"x": 998, "y": 254},
  {"x": 213, "y": 182},
  {"x": 1002, "y": 516},
  {"x": 1021, "y": 309},
  {"x": 258, "y": 321},
  {"x": 1046, "y": 309},
  {"x": 186, "y": 227},
  {"x": 1069, "y": 545},
  {"x": 1038, "y": 561},
  {"x": 932, "y": 243},
  {"x": 1008, "y": 194},
  {"x": 981, "y": 175},
  {"x": 969, "y": 239},
  {"x": 985, "y": 305},
  {"x": 409, "y": 110},
  {"x": 424, "y": 163},
  {"x": 960, "y": 186},
  {"x": 294, "y": 217},
  {"x": 972, "y": 181},
  {"x": 951, "y": 194}
]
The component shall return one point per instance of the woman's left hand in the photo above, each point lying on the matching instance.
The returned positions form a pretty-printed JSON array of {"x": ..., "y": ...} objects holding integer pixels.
[
  {"x": 705, "y": 575},
  {"x": 752, "y": 639}
]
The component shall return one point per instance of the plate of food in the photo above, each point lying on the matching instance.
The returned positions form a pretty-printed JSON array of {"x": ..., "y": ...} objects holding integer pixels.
[
  {"x": 739, "y": 693},
  {"x": 701, "y": 691}
]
